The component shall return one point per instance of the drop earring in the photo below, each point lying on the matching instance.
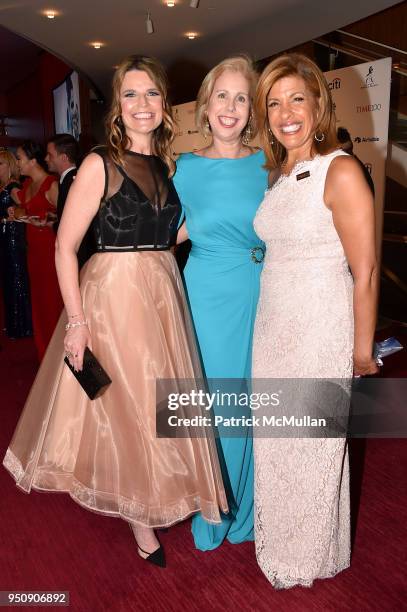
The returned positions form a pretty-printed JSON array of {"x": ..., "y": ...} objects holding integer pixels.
[{"x": 247, "y": 132}]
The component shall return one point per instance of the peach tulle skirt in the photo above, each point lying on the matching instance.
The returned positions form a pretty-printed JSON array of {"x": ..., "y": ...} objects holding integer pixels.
[{"x": 105, "y": 452}]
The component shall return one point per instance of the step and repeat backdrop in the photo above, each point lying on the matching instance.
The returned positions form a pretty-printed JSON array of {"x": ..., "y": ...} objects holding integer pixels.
[{"x": 361, "y": 95}]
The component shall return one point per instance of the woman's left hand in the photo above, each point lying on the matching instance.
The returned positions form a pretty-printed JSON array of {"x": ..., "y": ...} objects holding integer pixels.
[{"x": 364, "y": 366}]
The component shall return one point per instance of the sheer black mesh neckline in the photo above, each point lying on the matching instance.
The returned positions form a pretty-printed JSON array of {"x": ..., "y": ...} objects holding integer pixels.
[
  {"x": 140, "y": 209},
  {"x": 146, "y": 172}
]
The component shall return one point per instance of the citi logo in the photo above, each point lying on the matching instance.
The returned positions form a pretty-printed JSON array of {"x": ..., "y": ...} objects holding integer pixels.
[
  {"x": 335, "y": 84},
  {"x": 368, "y": 108}
]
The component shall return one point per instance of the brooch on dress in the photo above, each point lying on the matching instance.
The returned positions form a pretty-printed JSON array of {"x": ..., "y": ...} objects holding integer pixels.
[{"x": 257, "y": 254}]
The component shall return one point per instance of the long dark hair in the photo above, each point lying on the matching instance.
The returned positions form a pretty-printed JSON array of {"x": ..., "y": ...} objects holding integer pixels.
[{"x": 34, "y": 150}]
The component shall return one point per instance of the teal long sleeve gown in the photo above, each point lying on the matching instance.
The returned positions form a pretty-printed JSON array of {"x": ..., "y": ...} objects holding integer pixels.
[{"x": 220, "y": 198}]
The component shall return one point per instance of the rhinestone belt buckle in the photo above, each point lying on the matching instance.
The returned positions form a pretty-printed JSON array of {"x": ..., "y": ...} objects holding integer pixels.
[{"x": 257, "y": 254}]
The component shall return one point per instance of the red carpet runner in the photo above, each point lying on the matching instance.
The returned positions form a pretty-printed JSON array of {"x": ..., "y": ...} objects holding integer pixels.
[{"x": 48, "y": 542}]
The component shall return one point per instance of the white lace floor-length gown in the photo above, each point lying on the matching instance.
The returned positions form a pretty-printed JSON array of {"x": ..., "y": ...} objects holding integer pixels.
[{"x": 304, "y": 329}]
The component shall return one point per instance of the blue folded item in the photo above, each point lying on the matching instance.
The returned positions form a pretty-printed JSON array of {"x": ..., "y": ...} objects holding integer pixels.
[{"x": 385, "y": 348}]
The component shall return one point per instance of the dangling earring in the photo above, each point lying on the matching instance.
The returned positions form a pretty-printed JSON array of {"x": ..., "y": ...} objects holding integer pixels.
[
  {"x": 247, "y": 132},
  {"x": 321, "y": 138},
  {"x": 271, "y": 137}
]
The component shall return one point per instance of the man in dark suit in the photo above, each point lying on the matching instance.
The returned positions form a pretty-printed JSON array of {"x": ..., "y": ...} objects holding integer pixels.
[{"x": 62, "y": 157}]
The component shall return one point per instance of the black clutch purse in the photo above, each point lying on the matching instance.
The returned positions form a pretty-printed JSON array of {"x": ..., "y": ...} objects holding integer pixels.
[{"x": 92, "y": 378}]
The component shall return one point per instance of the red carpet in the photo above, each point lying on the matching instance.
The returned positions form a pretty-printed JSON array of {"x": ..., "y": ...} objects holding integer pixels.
[{"x": 49, "y": 543}]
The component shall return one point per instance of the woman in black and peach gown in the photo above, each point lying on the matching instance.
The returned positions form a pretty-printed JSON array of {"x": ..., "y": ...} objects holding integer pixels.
[{"x": 130, "y": 309}]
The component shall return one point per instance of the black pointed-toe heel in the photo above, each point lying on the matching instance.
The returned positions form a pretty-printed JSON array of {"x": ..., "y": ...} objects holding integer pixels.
[{"x": 156, "y": 558}]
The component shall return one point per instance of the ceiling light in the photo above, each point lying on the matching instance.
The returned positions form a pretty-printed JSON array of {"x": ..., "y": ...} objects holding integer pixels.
[
  {"x": 50, "y": 13},
  {"x": 194, "y": 3},
  {"x": 97, "y": 44},
  {"x": 170, "y": 3},
  {"x": 149, "y": 24},
  {"x": 191, "y": 35}
]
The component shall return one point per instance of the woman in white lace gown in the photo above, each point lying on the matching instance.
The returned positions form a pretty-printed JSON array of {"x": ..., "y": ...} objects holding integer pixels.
[{"x": 315, "y": 319}]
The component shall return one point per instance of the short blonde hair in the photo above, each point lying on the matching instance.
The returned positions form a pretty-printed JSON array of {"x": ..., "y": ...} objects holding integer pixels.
[
  {"x": 297, "y": 65},
  {"x": 12, "y": 164},
  {"x": 239, "y": 63}
]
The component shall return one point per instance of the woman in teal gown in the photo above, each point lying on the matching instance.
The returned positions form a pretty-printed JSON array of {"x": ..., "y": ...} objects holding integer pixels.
[{"x": 220, "y": 188}]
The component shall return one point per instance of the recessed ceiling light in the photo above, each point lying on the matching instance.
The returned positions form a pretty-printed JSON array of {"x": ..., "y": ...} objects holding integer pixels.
[
  {"x": 97, "y": 44},
  {"x": 191, "y": 35},
  {"x": 170, "y": 3},
  {"x": 50, "y": 13}
]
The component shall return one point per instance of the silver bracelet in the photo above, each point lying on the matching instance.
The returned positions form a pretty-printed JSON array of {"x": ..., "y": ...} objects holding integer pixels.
[{"x": 77, "y": 324}]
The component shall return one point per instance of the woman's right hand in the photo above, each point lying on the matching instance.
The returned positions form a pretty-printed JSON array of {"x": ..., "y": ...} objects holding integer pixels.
[
  {"x": 75, "y": 341},
  {"x": 182, "y": 233}
]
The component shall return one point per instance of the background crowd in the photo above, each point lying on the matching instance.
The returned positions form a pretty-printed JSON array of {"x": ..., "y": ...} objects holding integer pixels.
[{"x": 34, "y": 184}]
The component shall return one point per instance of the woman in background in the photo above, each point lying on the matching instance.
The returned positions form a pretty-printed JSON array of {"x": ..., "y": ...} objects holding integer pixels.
[
  {"x": 220, "y": 188},
  {"x": 16, "y": 293},
  {"x": 315, "y": 321},
  {"x": 38, "y": 197}
]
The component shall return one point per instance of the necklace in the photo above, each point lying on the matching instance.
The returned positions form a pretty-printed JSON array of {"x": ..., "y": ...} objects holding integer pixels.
[
  {"x": 283, "y": 165},
  {"x": 241, "y": 153}
]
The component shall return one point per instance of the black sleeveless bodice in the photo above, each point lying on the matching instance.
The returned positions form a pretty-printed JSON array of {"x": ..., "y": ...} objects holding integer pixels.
[{"x": 140, "y": 209}]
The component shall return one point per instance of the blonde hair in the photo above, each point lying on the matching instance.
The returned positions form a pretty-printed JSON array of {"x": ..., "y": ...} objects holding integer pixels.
[
  {"x": 298, "y": 65},
  {"x": 239, "y": 63},
  {"x": 9, "y": 158},
  {"x": 117, "y": 139}
]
